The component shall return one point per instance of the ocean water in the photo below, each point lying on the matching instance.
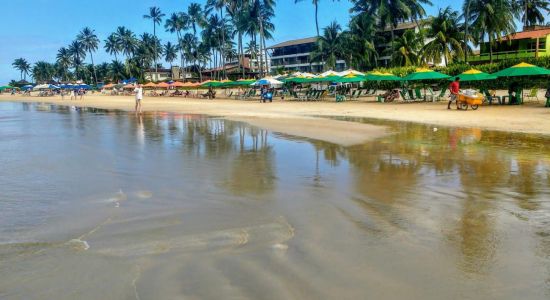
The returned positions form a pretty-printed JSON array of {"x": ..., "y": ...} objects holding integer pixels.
[{"x": 98, "y": 204}]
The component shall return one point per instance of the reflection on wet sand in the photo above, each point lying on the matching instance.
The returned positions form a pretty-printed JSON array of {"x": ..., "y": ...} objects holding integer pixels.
[{"x": 184, "y": 206}]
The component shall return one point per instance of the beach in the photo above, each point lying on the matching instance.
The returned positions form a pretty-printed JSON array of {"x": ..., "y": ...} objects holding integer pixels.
[{"x": 298, "y": 118}]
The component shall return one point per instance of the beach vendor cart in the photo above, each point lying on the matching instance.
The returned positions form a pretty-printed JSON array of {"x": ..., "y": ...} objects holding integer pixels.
[{"x": 469, "y": 98}]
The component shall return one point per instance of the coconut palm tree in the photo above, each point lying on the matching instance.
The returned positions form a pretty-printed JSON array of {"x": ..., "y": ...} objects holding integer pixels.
[
  {"x": 90, "y": 42},
  {"x": 316, "y": 4},
  {"x": 78, "y": 54},
  {"x": 177, "y": 23},
  {"x": 329, "y": 46},
  {"x": 446, "y": 37},
  {"x": 64, "y": 61},
  {"x": 170, "y": 53},
  {"x": 531, "y": 12},
  {"x": 22, "y": 66},
  {"x": 155, "y": 15},
  {"x": 220, "y": 5},
  {"x": 492, "y": 19},
  {"x": 359, "y": 42},
  {"x": 405, "y": 50},
  {"x": 196, "y": 16},
  {"x": 116, "y": 71},
  {"x": 112, "y": 45},
  {"x": 43, "y": 71}
]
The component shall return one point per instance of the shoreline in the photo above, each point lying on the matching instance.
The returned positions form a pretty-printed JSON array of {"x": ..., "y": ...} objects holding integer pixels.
[{"x": 300, "y": 117}]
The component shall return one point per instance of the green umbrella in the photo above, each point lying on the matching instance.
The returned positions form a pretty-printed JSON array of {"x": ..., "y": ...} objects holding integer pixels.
[
  {"x": 425, "y": 74},
  {"x": 299, "y": 80},
  {"x": 241, "y": 82},
  {"x": 7, "y": 87},
  {"x": 351, "y": 78},
  {"x": 474, "y": 75},
  {"x": 522, "y": 69},
  {"x": 331, "y": 78},
  {"x": 379, "y": 76},
  {"x": 211, "y": 83}
]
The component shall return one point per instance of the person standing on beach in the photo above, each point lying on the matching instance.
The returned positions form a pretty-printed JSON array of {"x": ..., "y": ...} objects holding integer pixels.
[
  {"x": 454, "y": 87},
  {"x": 139, "y": 96}
]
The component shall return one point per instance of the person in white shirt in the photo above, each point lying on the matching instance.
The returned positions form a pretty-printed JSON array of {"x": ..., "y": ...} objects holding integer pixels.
[{"x": 139, "y": 96}]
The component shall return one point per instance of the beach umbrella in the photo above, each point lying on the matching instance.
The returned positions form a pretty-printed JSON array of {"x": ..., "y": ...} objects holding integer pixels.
[
  {"x": 163, "y": 85},
  {"x": 226, "y": 83},
  {"x": 177, "y": 84},
  {"x": 28, "y": 87},
  {"x": 327, "y": 74},
  {"x": 522, "y": 69},
  {"x": 151, "y": 85},
  {"x": 351, "y": 78},
  {"x": 330, "y": 78},
  {"x": 129, "y": 86},
  {"x": 7, "y": 87},
  {"x": 350, "y": 72},
  {"x": 425, "y": 74},
  {"x": 300, "y": 79},
  {"x": 109, "y": 86},
  {"x": 474, "y": 75},
  {"x": 381, "y": 76},
  {"x": 242, "y": 82},
  {"x": 268, "y": 81},
  {"x": 82, "y": 86},
  {"x": 53, "y": 86},
  {"x": 210, "y": 83}
]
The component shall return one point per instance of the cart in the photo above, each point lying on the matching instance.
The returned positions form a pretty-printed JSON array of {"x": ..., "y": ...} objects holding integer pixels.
[{"x": 473, "y": 101}]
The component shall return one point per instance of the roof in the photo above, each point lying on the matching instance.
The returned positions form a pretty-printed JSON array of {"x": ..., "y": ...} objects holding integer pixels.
[
  {"x": 294, "y": 42},
  {"x": 532, "y": 34}
]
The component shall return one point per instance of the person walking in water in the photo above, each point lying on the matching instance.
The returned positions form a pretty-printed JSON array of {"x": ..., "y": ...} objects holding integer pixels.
[
  {"x": 139, "y": 96},
  {"x": 454, "y": 87}
]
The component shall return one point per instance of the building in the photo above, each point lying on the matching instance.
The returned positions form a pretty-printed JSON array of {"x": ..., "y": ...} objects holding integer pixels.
[
  {"x": 531, "y": 42},
  {"x": 294, "y": 55},
  {"x": 162, "y": 74}
]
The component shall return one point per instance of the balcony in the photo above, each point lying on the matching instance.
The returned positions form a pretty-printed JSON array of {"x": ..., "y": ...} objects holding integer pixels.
[{"x": 497, "y": 56}]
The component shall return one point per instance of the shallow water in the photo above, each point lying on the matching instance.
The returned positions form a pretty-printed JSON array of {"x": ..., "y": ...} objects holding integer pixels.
[{"x": 101, "y": 204}]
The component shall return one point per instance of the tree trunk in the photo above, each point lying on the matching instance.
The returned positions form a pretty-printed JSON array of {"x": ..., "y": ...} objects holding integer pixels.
[
  {"x": 265, "y": 55},
  {"x": 93, "y": 67},
  {"x": 490, "y": 50},
  {"x": 466, "y": 27},
  {"x": 316, "y": 17},
  {"x": 223, "y": 43},
  {"x": 241, "y": 53},
  {"x": 155, "y": 41},
  {"x": 260, "y": 73}
]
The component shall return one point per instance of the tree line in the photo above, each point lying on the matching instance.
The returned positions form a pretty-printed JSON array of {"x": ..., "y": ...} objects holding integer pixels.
[{"x": 222, "y": 30}]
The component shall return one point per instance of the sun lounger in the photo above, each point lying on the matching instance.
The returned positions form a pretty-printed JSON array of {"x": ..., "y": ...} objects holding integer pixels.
[
  {"x": 533, "y": 94},
  {"x": 404, "y": 95}
]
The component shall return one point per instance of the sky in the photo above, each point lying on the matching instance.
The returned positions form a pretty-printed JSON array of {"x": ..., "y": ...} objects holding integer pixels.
[{"x": 36, "y": 29}]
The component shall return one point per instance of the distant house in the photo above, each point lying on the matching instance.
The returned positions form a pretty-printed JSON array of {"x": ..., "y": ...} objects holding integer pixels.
[
  {"x": 162, "y": 74},
  {"x": 531, "y": 42}
]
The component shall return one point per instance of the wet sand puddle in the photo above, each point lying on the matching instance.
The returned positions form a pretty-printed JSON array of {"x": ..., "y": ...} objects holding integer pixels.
[{"x": 175, "y": 206}]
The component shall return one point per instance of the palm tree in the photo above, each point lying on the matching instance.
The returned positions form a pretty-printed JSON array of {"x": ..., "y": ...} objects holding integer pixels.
[
  {"x": 405, "y": 49},
  {"x": 90, "y": 42},
  {"x": 43, "y": 71},
  {"x": 390, "y": 12},
  {"x": 116, "y": 71},
  {"x": 359, "y": 42},
  {"x": 170, "y": 53},
  {"x": 78, "y": 54},
  {"x": 189, "y": 44},
  {"x": 22, "y": 66},
  {"x": 466, "y": 9},
  {"x": 492, "y": 19},
  {"x": 446, "y": 37},
  {"x": 531, "y": 12},
  {"x": 329, "y": 46},
  {"x": 316, "y": 4},
  {"x": 196, "y": 16},
  {"x": 176, "y": 23},
  {"x": 112, "y": 45},
  {"x": 156, "y": 16},
  {"x": 64, "y": 61},
  {"x": 128, "y": 43}
]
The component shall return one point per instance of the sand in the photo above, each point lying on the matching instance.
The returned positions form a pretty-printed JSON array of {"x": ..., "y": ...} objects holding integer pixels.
[{"x": 303, "y": 118}]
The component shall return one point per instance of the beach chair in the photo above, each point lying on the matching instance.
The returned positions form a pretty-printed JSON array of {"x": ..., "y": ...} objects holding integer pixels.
[
  {"x": 533, "y": 94},
  {"x": 411, "y": 94},
  {"x": 418, "y": 94},
  {"x": 355, "y": 95},
  {"x": 490, "y": 97},
  {"x": 430, "y": 94},
  {"x": 404, "y": 95}
]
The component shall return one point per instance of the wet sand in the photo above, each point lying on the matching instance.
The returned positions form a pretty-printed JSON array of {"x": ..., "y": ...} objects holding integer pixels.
[{"x": 297, "y": 116}]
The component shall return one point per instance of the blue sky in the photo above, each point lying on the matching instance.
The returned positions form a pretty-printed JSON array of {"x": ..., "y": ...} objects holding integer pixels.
[{"x": 36, "y": 29}]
